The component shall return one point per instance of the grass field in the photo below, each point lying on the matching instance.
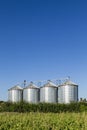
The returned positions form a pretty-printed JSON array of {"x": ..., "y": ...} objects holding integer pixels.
[{"x": 43, "y": 121}]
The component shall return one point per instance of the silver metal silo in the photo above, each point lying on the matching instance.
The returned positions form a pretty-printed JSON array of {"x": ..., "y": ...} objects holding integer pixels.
[
  {"x": 31, "y": 94},
  {"x": 68, "y": 92},
  {"x": 15, "y": 94},
  {"x": 48, "y": 93}
]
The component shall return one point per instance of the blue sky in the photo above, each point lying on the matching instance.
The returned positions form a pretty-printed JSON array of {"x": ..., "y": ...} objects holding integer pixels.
[{"x": 41, "y": 40}]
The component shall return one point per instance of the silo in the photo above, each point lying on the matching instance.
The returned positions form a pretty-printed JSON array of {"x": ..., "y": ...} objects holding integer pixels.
[
  {"x": 31, "y": 93},
  {"x": 15, "y": 94},
  {"x": 48, "y": 93},
  {"x": 68, "y": 92}
]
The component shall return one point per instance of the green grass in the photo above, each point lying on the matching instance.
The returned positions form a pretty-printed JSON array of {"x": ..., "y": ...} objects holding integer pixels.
[{"x": 43, "y": 121}]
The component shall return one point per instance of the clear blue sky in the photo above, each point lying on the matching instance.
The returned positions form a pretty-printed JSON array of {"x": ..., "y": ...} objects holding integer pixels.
[{"x": 43, "y": 39}]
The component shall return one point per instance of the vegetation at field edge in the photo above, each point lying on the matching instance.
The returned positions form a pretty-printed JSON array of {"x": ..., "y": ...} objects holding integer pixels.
[{"x": 42, "y": 107}]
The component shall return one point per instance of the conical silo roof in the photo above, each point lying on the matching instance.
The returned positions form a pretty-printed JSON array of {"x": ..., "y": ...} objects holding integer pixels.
[
  {"x": 70, "y": 83},
  {"x": 16, "y": 87},
  {"x": 50, "y": 84},
  {"x": 32, "y": 86}
]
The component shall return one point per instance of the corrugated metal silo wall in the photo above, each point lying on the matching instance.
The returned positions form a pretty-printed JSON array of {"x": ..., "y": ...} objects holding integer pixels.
[
  {"x": 48, "y": 94},
  {"x": 15, "y": 95},
  {"x": 67, "y": 94},
  {"x": 31, "y": 95}
]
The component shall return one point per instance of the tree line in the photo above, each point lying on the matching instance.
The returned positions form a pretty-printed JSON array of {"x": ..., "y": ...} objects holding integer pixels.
[{"x": 42, "y": 107}]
